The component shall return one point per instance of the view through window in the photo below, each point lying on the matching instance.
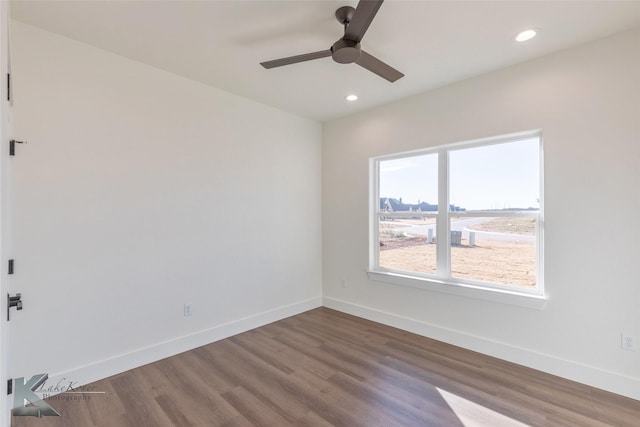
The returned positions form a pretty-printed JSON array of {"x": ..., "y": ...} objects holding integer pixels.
[{"x": 483, "y": 197}]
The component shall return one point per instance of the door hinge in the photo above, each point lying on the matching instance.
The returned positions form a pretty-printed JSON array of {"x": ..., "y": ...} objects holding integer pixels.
[
  {"x": 10, "y": 269},
  {"x": 8, "y": 87},
  {"x": 12, "y": 146},
  {"x": 10, "y": 386}
]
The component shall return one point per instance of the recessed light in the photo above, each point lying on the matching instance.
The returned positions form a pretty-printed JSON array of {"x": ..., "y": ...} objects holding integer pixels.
[
  {"x": 351, "y": 98},
  {"x": 525, "y": 35}
]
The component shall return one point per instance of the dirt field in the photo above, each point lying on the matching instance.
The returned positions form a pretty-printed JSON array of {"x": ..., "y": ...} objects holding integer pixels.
[
  {"x": 494, "y": 261},
  {"x": 508, "y": 225}
]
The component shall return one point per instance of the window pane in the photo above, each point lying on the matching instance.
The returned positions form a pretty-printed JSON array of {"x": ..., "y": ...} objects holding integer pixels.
[
  {"x": 496, "y": 177},
  {"x": 408, "y": 186},
  {"x": 503, "y": 178},
  {"x": 496, "y": 250}
]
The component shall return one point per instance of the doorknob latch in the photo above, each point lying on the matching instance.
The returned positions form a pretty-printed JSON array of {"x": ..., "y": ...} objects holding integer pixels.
[
  {"x": 12, "y": 146},
  {"x": 14, "y": 301}
]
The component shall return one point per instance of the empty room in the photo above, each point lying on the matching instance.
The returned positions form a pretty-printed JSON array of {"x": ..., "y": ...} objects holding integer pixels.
[{"x": 319, "y": 213}]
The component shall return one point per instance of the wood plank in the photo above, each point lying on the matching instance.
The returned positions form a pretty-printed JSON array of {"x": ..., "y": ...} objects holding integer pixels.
[{"x": 253, "y": 409}]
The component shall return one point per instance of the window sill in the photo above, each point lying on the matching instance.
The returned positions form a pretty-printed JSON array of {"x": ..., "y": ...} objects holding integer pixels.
[{"x": 521, "y": 299}]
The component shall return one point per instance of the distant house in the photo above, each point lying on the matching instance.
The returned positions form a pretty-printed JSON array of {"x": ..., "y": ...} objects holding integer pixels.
[{"x": 388, "y": 204}]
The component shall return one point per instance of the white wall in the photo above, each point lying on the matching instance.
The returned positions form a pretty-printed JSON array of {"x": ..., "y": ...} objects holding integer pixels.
[
  {"x": 139, "y": 191},
  {"x": 587, "y": 102}
]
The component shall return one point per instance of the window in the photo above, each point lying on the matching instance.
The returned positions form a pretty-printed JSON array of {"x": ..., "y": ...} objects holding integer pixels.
[{"x": 467, "y": 214}]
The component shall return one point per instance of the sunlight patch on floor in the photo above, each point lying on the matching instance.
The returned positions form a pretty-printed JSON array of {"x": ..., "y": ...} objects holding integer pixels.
[{"x": 472, "y": 414}]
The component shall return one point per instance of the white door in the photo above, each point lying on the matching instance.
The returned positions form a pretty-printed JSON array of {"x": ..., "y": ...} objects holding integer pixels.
[
  {"x": 5, "y": 288},
  {"x": 27, "y": 247}
]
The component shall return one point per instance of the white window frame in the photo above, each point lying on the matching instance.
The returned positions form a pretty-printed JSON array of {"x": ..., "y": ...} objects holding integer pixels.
[{"x": 442, "y": 281}]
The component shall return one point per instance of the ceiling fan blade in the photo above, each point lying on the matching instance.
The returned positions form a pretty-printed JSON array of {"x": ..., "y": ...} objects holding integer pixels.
[
  {"x": 362, "y": 17},
  {"x": 378, "y": 67},
  {"x": 294, "y": 59}
]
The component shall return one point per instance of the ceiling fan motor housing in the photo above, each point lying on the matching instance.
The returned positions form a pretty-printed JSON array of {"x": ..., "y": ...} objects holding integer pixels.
[{"x": 345, "y": 51}]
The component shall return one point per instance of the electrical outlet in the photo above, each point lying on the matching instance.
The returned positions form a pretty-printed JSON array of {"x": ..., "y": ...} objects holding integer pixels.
[
  {"x": 188, "y": 309},
  {"x": 628, "y": 342}
]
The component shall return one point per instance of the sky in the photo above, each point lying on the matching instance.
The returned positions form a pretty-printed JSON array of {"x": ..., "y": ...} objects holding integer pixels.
[{"x": 496, "y": 176}]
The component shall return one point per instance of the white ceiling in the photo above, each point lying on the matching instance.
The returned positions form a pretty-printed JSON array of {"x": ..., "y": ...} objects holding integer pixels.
[{"x": 221, "y": 43}]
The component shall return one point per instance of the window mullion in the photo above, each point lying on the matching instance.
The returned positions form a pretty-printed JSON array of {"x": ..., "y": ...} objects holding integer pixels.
[
  {"x": 443, "y": 252},
  {"x": 374, "y": 226}
]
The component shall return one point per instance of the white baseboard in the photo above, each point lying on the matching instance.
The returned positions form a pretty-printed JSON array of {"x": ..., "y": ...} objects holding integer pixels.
[
  {"x": 114, "y": 365},
  {"x": 589, "y": 375}
]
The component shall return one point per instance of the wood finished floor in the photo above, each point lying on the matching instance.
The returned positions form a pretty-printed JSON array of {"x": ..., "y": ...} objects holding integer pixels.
[{"x": 326, "y": 368}]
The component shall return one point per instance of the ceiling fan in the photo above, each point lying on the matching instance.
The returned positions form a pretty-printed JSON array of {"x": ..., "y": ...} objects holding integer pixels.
[{"x": 347, "y": 49}]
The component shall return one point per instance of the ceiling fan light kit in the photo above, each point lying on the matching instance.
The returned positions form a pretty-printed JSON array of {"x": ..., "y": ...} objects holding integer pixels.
[{"x": 347, "y": 50}]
